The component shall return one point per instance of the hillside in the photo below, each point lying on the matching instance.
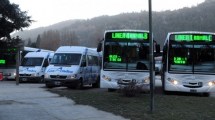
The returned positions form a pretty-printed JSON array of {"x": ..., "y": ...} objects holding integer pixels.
[{"x": 89, "y": 32}]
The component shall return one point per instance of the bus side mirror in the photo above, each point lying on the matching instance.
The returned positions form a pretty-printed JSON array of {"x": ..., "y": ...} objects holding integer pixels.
[
  {"x": 99, "y": 47},
  {"x": 157, "y": 47}
]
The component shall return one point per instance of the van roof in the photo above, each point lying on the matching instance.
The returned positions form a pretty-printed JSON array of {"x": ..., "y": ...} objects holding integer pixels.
[
  {"x": 37, "y": 54},
  {"x": 74, "y": 49}
]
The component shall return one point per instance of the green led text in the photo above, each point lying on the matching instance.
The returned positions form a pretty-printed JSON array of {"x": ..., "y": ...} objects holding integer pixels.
[
  {"x": 2, "y": 61},
  {"x": 129, "y": 35},
  {"x": 115, "y": 58},
  {"x": 180, "y": 60},
  {"x": 193, "y": 37}
]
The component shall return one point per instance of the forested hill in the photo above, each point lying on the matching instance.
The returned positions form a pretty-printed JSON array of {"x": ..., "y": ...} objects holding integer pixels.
[{"x": 89, "y": 32}]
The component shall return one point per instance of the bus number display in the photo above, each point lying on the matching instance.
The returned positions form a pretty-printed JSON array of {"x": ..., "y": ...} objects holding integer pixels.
[
  {"x": 115, "y": 58},
  {"x": 191, "y": 37},
  {"x": 180, "y": 60},
  {"x": 2, "y": 62}
]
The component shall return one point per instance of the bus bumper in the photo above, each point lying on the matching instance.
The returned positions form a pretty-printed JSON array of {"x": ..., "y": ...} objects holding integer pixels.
[
  {"x": 181, "y": 88},
  {"x": 115, "y": 85}
]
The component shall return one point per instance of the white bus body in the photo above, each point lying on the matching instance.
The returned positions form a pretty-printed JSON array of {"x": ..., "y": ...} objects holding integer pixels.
[
  {"x": 125, "y": 59},
  {"x": 73, "y": 66},
  {"x": 188, "y": 62},
  {"x": 33, "y": 66},
  {"x": 8, "y": 63}
]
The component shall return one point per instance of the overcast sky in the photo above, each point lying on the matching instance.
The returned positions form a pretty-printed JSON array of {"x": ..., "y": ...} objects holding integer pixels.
[{"x": 47, "y": 12}]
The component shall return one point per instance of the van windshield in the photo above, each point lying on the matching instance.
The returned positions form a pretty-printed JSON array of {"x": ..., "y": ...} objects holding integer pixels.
[
  {"x": 66, "y": 59},
  {"x": 32, "y": 62}
]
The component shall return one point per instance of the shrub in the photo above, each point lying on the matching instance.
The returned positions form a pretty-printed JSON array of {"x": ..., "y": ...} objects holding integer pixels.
[{"x": 131, "y": 89}]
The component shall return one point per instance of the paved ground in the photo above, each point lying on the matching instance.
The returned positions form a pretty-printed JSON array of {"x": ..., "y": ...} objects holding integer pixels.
[{"x": 33, "y": 102}]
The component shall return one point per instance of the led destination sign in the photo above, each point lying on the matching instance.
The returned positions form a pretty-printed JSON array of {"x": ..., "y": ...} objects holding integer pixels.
[
  {"x": 2, "y": 62},
  {"x": 192, "y": 37},
  {"x": 127, "y": 35},
  {"x": 180, "y": 60},
  {"x": 115, "y": 58}
]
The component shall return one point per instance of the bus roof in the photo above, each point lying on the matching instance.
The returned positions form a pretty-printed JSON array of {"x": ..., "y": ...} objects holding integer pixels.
[
  {"x": 126, "y": 30},
  {"x": 190, "y": 32}
]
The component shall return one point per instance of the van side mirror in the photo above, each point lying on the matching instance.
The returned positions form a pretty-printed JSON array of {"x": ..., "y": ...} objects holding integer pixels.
[{"x": 99, "y": 47}]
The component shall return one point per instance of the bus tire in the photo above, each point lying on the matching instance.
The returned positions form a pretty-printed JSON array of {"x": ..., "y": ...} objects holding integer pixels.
[{"x": 111, "y": 90}]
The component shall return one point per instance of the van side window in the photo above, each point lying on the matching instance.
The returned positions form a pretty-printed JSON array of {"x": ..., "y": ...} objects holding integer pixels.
[
  {"x": 90, "y": 60},
  {"x": 96, "y": 60},
  {"x": 46, "y": 63}
]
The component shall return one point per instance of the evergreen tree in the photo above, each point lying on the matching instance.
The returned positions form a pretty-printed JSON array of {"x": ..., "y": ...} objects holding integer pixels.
[
  {"x": 12, "y": 18},
  {"x": 38, "y": 41}
]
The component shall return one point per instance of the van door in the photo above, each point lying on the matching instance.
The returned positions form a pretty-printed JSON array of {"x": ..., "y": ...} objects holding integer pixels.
[
  {"x": 84, "y": 69},
  {"x": 45, "y": 64},
  {"x": 90, "y": 68}
]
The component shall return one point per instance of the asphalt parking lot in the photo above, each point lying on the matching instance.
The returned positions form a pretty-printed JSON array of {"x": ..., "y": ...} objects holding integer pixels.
[{"x": 34, "y": 102}]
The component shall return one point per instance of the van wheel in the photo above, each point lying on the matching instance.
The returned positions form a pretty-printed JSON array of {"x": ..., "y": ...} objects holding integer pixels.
[
  {"x": 80, "y": 84},
  {"x": 97, "y": 83},
  {"x": 41, "y": 80}
]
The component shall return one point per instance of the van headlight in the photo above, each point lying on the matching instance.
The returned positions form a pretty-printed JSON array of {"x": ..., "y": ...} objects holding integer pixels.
[
  {"x": 46, "y": 75},
  {"x": 173, "y": 81},
  {"x": 35, "y": 74},
  {"x": 72, "y": 76}
]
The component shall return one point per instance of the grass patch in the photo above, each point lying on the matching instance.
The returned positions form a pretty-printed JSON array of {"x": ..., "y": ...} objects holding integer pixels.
[{"x": 167, "y": 107}]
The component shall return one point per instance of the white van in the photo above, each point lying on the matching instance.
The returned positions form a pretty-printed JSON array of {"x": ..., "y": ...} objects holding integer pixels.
[
  {"x": 73, "y": 67},
  {"x": 33, "y": 66}
]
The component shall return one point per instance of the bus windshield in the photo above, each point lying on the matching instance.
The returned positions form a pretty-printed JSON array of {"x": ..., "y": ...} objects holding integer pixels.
[
  {"x": 192, "y": 58},
  {"x": 126, "y": 56},
  {"x": 7, "y": 60},
  {"x": 66, "y": 59},
  {"x": 32, "y": 61}
]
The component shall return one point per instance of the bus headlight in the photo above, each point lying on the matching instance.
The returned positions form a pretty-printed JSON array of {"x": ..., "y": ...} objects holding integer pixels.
[
  {"x": 211, "y": 83},
  {"x": 146, "y": 80},
  {"x": 175, "y": 82},
  {"x": 106, "y": 78}
]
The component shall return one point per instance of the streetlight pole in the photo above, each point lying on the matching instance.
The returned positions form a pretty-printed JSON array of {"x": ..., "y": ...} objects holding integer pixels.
[{"x": 151, "y": 59}]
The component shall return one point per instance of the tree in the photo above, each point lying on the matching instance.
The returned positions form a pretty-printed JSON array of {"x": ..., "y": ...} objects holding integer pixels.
[
  {"x": 29, "y": 42},
  {"x": 12, "y": 18},
  {"x": 38, "y": 41}
]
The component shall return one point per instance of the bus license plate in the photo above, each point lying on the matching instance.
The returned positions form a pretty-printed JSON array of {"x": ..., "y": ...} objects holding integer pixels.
[
  {"x": 57, "y": 83},
  {"x": 24, "y": 79},
  {"x": 193, "y": 90}
]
